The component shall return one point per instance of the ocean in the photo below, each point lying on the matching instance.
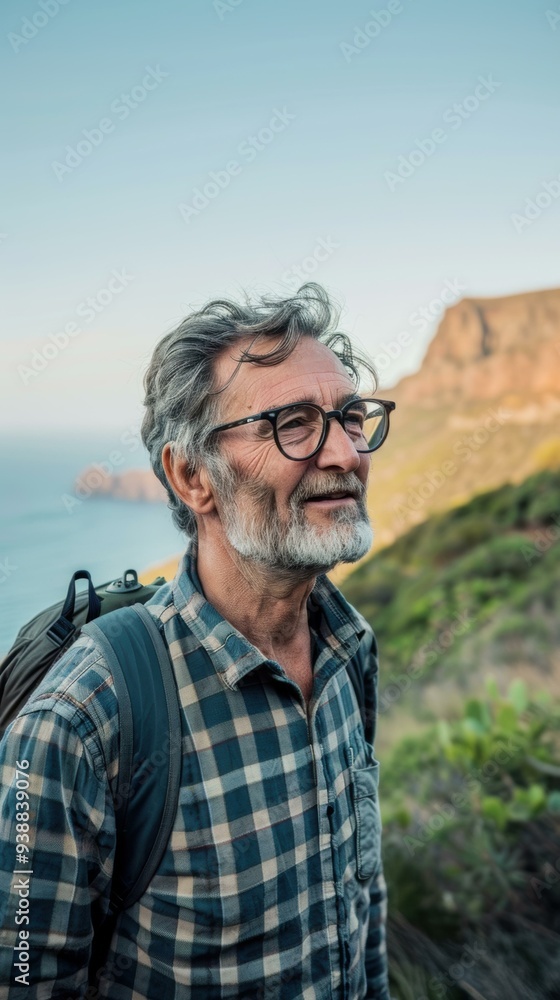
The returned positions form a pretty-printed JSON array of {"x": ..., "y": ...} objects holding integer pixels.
[{"x": 45, "y": 536}]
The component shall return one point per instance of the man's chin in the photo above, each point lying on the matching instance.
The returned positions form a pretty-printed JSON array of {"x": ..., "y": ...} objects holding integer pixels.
[
  {"x": 347, "y": 541},
  {"x": 327, "y": 551},
  {"x": 308, "y": 550},
  {"x": 356, "y": 553}
]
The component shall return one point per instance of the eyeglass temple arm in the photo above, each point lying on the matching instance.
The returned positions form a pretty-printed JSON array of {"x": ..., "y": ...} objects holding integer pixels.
[{"x": 244, "y": 420}]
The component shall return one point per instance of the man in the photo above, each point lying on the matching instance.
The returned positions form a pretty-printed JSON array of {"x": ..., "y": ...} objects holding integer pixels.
[{"x": 271, "y": 885}]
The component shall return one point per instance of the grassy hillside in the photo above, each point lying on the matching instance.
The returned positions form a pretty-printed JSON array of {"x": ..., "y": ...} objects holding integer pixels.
[
  {"x": 465, "y": 607},
  {"x": 471, "y": 590}
]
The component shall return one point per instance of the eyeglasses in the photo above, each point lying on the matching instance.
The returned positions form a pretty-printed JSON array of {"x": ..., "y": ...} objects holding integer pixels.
[{"x": 300, "y": 429}]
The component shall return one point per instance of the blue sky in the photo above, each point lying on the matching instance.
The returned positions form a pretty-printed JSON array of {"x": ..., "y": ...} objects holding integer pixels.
[{"x": 340, "y": 99}]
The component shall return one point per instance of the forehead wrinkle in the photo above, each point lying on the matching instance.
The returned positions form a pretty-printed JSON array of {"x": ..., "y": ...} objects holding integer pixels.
[
  {"x": 311, "y": 397},
  {"x": 276, "y": 393}
]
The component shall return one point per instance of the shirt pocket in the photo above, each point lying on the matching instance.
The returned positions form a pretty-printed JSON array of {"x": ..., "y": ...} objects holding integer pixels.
[{"x": 365, "y": 786}]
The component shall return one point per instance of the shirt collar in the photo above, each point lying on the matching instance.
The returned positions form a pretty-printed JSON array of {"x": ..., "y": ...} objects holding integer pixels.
[
  {"x": 337, "y": 622},
  {"x": 341, "y": 626}
]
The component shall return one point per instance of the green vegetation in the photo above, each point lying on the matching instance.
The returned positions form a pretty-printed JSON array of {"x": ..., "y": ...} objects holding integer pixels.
[
  {"x": 464, "y": 606},
  {"x": 476, "y": 585},
  {"x": 471, "y": 814}
]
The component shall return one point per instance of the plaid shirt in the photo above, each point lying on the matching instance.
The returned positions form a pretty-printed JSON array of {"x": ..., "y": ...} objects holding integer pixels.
[{"x": 271, "y": 885}]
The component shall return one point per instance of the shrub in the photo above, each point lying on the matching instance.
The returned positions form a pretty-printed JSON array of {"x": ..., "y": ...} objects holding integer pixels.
[{"x": 471, "y": 831}]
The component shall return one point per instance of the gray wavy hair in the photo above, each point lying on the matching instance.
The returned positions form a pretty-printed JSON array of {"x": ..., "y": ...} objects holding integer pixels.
[{"x": 182, "y": 400}]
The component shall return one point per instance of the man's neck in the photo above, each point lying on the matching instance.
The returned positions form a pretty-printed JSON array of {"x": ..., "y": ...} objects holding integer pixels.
[{"x": 268, "y": 607}]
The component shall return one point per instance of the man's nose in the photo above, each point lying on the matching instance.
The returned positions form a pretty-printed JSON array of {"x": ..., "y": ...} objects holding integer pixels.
[{"x": 338, "y": 450}]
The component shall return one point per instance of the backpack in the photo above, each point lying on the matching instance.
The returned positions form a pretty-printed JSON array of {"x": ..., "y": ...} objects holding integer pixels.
[
  {"x": 49, "y": 634},
  {"x": 134, "y": 650},
  {"x": 147, "y": 794}
]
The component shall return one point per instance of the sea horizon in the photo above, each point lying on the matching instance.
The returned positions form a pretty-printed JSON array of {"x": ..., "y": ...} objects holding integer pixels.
[{"x": 48, "y": 530}]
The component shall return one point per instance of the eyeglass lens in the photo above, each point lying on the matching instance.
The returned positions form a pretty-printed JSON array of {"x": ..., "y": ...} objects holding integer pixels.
[{"x": 299, "y": 428}]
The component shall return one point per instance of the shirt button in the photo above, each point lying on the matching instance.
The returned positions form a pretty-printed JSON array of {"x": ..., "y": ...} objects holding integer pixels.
[{"x": 330, "y": 809}]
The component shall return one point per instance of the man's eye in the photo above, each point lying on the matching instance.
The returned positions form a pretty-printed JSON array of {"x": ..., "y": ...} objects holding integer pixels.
[
  {"x": 291, "y": 419},
  {"x": 294, "y": 423},
  {"x": 354, "y": 419}
]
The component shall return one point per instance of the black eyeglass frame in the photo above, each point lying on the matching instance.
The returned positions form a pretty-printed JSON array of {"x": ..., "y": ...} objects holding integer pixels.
[{"x": 272, "y": 416}]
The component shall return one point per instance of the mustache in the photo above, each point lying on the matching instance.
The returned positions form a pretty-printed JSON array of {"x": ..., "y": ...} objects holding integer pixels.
[{"x": 327, "y": 484}]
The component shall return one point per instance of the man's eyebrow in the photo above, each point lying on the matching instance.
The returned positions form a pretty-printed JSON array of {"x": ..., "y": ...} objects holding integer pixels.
[
  {"x": 350, "y": 397},
  {"x": 347, "y": 398}
]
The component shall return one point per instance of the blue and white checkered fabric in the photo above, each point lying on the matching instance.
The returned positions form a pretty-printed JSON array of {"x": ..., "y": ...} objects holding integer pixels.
[{"x": 271, "y": 887}]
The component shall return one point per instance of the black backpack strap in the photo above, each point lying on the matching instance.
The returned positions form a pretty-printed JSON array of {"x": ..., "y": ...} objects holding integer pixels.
[
  {"x": 61, "y": 629},
  {"x": 364, "y": 686},
  {"x": 356, "y": 674},
  {"x": 149, "y": 755}
]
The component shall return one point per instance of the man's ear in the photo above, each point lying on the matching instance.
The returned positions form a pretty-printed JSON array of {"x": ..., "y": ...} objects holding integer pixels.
[{"x": 193, "y": 487}]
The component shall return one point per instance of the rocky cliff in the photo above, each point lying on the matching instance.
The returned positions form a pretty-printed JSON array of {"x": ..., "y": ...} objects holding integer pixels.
[
  {"x": 486, "y": 349},
  {"x": 483, "y": 410}
]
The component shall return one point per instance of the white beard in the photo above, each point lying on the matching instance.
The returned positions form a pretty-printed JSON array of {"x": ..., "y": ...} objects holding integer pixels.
[
  {"x": 255, "y": 531},
  {"x": 301, "y": 547}
]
